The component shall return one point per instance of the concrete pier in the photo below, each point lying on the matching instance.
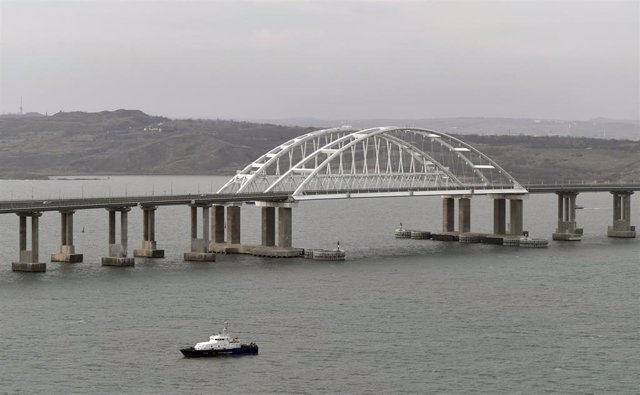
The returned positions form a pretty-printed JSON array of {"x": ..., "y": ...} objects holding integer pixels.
[
  {"x": 217, "y": 223},
  {"x": 464, "y": 215},
  {"x": 118, "y": 252},
  {"x": 283, "y": 236},
  {"x": 67, "y": 251},
  {"x": 232, "y": 243},
  {"x": 28, "y": 259},
  {"x": 268, "y": 226},
  {"x": 515, "y": 215},
  {"x": 499, "y": 216},
  {"x": 567, "y": 230},
  {"x": 622, "y": 227},
  {"x": 285, "y": 227},
  {"x": 149, "y": 248},
  {"x": 233, "y": 224},
  {"x": 448, "y": 214},
  {"x": 200, "y": 246}
]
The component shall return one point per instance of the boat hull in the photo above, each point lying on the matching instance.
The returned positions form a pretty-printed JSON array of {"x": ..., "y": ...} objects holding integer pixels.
[{"x": 191, "y": 352}]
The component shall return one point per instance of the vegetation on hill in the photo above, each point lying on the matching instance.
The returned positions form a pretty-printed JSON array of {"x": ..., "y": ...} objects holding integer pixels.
[{"x": 132, "y": 142}]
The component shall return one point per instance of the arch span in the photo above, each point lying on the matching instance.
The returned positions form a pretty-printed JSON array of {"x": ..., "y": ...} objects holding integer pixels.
[{"x": 385, "y": 161}]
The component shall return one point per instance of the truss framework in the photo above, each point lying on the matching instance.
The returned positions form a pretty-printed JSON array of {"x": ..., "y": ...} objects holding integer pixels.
[{"x": 386, "y": 161}]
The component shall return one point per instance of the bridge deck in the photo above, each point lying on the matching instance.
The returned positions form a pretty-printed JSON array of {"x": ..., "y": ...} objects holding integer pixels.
[
  {"x": 553, "y": 188},
  {"x": 17, "y": 206}
]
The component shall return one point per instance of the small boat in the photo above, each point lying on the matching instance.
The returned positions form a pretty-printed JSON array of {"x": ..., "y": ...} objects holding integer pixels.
[{"x": 220, "y": 344}]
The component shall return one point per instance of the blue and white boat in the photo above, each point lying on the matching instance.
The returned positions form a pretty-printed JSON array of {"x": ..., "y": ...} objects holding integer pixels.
[{"x": 220, "y": 344}]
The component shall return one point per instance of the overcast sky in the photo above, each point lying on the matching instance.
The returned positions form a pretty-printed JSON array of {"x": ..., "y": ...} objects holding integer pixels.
[{"x": 323, "y": 59}]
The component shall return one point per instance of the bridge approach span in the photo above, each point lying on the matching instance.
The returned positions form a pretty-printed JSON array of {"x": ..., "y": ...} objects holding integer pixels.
[
  {"x": 20, "y": 206},
  {"x": 578, "y": 188}
]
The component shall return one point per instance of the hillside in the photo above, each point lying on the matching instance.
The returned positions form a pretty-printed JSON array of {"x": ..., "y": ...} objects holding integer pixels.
[{"x": 132, "y": 142}]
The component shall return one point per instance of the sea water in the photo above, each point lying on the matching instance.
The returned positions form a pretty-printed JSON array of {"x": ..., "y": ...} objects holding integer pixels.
[{"x": 398, "y": 316}]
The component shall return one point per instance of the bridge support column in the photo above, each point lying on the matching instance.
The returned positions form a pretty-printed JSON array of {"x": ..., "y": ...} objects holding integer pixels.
[
  {"x": 28, "y": 259},
  {"x": 218, "y": 227},
  {"x": 217, "y": 224},
  {"x": 499, "y": 216},
  {"x": 622, "y": 227},
  {"x": 282, "y": 247},
  {"x": 149, "y": 247},
  {"x": 285, "y": 227},
  {"x": 118, "y": 252},
  {"x": 200, "y": 246},
  {"x": 515, "y": 216},
  {"x": 268, "y": 226},
  {"x": 233, "y": 224},
  {"x": 567, "y": 230},
  {"x": 229, "y": 243},
  {"x": 448, "y": 214},
  {"x": 464, "y": 215},
  {"x": 67, "y": 251}
]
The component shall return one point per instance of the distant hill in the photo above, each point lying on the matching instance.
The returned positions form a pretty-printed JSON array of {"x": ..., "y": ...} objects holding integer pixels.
[{"x": 132, "y": 142}]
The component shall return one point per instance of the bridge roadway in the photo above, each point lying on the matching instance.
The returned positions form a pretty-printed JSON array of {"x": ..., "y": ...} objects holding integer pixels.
[
  {"x": 18, "y": 206},
  {"x": 222, "y": 221},
  {"x": 555, "y": 188},
  {"x": 38, "y": 205}
]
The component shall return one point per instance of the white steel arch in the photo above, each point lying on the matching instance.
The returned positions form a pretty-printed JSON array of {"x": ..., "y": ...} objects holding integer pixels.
[
  {"x": 386, "y": 161},
  {"x": 259, "y": 175}
]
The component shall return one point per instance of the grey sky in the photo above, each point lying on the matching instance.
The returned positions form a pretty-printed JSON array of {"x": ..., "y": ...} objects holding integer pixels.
[{"x": 331, "y": 60}]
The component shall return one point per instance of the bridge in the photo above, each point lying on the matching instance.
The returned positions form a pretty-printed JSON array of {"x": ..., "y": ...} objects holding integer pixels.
[
  {"x": 335, "y": 163},
  {"x": 378, "y": 162}
]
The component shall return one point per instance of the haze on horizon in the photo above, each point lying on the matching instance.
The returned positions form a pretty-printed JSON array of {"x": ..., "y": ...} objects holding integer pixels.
[{"x": 323, "y": 59}]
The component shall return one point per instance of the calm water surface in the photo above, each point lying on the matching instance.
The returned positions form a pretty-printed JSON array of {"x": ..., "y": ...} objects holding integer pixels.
[{"x": 399, "y": 316}]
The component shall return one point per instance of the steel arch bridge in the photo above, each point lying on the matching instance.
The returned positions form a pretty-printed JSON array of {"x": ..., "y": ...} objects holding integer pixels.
[{"x": 345, "y": 162}]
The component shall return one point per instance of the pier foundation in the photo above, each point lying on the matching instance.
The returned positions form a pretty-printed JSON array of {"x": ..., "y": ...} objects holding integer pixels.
[
  {"x": 149, "y": 248},
  {"x": 118, "y": 252},
  {"x": 622, "y": 227},
  {"x": 28, "y": 259},
  {"x": 567, "y": 229},
  {"x": 200, "y": 246},
  {"x": 67, "y": 251}
]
